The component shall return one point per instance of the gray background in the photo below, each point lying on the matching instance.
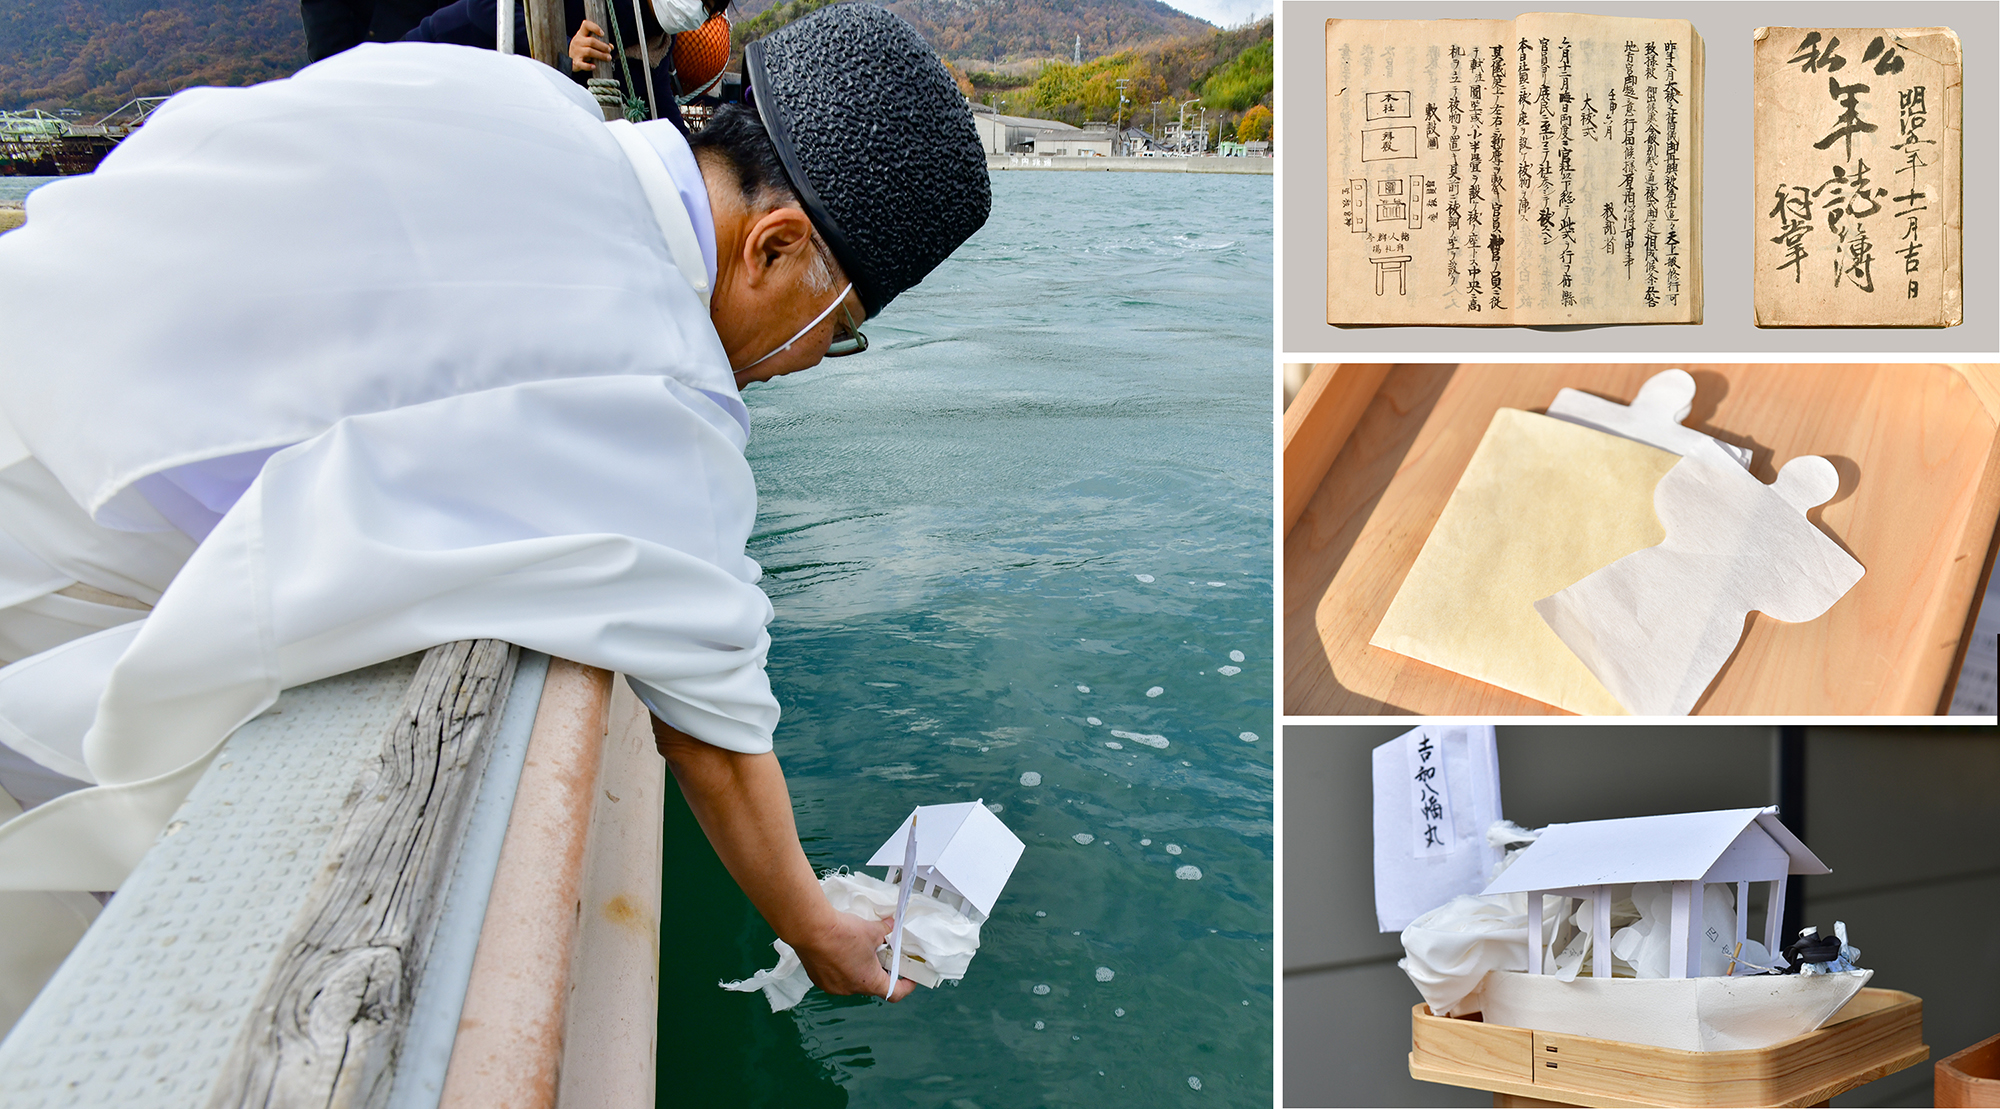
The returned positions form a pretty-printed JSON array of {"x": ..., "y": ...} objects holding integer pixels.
[
  {"x": 1728, "y": 213},
  {"x": 1906, "y": 818}
]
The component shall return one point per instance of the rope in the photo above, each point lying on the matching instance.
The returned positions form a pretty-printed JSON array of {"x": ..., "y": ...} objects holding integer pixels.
[{"x": 635, "y": 108}]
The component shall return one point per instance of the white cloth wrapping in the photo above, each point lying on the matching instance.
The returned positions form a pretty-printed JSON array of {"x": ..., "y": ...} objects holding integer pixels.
[
  {"x": 934, "y": 932},
  {"x": 1449, "y": 950},
  {"x": 433, "y": 272}
]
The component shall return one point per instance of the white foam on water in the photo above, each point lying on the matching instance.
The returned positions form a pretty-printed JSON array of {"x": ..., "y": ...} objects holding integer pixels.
[
  {"x": 1155, "y": 691},
  {"x": 1247, "y": 737},
  {"x": 1083, "y": 689},
  {"x": 1041, "y": 912},
  {"x": 1076, "y": 1037},
  {"x": 1236, "y": 656},
  {"x": 1194, "y": 1082},
  {"x": 1121, "y": 1012},
  {"x": 1114, "y": 745},
  {"x": 1093, "y": 721},
  {"x": 1145, "y": 843},
  {"x": 995, "y": 807},
  {"x": 1147, "y": 578},
  {"x": 1038, "y": 1026},
  {"x": 1031, "y": 778},
  {"x": 1041, "y": 990},
  {"x": 1229, "y": 671},
  {"x": 1173, "y": 848},
  {"x": 1188, "y": 874},
  {"x": 1083, "y": 837},
  {"x": 1106, "y": 974},
  {"x": 886, "y": 685},
  {"x": 1218, "y": 584},
  {"x": 1157, "y": 742}
]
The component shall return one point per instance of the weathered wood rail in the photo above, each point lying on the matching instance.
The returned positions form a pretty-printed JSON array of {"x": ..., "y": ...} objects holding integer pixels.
[{"x": 329, "y": 1019}]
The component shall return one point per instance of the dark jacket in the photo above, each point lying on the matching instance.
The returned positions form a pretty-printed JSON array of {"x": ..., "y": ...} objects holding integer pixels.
[{"x": 336, "y": 25}]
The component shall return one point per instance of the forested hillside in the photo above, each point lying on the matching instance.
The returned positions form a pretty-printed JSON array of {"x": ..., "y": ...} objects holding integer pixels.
[
  {"x": 1002, "y": 30},
  {"x": 94, "y": 55}
]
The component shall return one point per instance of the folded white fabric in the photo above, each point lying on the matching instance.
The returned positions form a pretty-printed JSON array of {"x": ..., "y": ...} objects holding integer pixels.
[{"x": 938, "y": 940}]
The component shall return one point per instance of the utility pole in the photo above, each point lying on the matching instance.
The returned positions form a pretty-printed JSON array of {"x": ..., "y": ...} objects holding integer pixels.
[{"x": 1118, "y": 122}]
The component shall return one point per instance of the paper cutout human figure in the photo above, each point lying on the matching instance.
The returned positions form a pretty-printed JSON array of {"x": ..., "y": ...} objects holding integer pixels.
[
  {"x": 1653, "y": 418},
  {"x": 1656, "y": 626}
]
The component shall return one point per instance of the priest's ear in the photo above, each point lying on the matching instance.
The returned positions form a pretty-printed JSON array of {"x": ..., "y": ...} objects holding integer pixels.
[{"x": 779, "y": 246}]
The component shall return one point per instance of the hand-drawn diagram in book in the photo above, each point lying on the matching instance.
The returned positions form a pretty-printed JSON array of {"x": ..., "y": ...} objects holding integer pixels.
[{"x": 1537, "y": 171}]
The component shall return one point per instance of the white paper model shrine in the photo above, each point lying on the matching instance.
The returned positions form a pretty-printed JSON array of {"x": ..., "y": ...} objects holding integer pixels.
[
  {"x": 959, "y": 858},
  {"x": 964, "y": 856},
  {"x": 1704, "y": 988},
  {"x": 943, "y": 882}
]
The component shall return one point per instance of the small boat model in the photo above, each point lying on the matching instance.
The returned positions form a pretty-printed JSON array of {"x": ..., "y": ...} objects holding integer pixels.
[{"x": 1687, "y": 1014}]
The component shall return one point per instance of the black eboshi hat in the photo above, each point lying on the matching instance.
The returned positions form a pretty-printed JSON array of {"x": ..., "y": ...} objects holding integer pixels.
[{"x": 877, "y": 140}]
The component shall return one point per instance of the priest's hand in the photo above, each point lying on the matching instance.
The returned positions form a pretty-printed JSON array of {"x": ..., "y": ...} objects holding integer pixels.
[
  {"x": 587, "y": 48},
  {"x": 840, "y": 956},
  {"x": 742, "y": 805}
]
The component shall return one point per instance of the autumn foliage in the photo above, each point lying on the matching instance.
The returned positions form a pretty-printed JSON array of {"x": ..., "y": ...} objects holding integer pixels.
[{"x": 94, "y": 55}]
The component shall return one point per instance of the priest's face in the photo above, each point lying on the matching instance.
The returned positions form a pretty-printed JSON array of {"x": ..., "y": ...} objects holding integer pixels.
[{"x": 780, "y": 299}]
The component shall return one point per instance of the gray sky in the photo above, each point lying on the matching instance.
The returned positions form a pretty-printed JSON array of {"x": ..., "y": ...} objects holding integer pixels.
[{"x": 1224, "y": 13}]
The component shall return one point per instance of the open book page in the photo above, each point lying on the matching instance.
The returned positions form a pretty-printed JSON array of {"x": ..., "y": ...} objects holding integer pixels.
[
  {"x": 1858, "y": 177},
  {"x": 1608, "y": 196},
  {"x": 1420, "y": 171},
  {"x": 1467, "y": 188}
]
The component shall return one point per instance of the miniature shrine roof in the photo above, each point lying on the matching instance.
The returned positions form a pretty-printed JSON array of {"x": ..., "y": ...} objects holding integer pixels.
[{"x": 1675, "y": 847}]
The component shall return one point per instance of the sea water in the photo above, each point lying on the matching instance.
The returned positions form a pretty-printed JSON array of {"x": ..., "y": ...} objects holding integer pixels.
[
  {"x": 16, "y": 189},
  {"x": 1019, "y": 551}
]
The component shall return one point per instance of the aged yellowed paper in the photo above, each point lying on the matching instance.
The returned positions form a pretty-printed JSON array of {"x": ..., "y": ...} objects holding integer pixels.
[
  {"x": 1542, "y": 504},
  {"x": 1538, "y": 171},
  {"x": 1858, "y": 136}
]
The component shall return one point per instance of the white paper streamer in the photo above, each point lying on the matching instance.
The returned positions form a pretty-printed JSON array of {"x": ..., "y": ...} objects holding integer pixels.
[{"x": 902, "y": 906}]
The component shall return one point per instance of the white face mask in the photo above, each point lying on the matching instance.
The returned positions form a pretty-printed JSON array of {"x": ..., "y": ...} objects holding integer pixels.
[
  {"x": 802, "y": 331},
  {"x": 676, "y": 16}
]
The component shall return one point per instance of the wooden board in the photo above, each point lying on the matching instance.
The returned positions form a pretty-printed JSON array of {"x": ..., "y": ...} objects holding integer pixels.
[
  {"x": 331, "y": 1016},
  {"x": 1969, "y": 1077},
  {"x": 1878, "y": 1033},
  {"x": 1917, "y": 448}
]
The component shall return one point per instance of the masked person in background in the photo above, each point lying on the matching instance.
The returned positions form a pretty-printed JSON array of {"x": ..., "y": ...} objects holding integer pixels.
[
  {"x": 649, "y": 29},
  {"x": 687, "y": 61},
  {"x": 419, "y": 348}
]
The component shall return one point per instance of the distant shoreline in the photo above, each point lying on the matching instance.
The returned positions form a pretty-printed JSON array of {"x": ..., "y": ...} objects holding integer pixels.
[{"x": 1081, "y": 162}]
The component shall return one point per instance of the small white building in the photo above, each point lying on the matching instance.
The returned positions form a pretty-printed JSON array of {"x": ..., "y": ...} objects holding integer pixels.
[
  {"x": 1005, "y": 134},
  {"x": 1687, "y": 851},
  {"x": 964, "y": 856}
]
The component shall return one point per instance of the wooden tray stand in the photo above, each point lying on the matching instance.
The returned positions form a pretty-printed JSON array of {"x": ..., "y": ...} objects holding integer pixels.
[{"x": 1876, "y": 1034}]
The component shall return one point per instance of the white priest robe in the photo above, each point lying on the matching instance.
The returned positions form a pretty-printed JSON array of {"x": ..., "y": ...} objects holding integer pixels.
[{"x": 425, "y": 343}]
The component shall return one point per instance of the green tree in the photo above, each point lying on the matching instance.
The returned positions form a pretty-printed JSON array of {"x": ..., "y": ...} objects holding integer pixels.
[{"x": 1246, "y": 80}]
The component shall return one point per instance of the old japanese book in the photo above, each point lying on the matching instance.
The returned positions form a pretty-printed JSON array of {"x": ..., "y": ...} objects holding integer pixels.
[
  {"x": 1539, "y": 171},
  {"x": 1858, "y": 190}
]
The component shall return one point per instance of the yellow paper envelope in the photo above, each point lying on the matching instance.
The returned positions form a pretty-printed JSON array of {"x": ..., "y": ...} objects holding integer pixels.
[{"x": 1542, "y": 504}]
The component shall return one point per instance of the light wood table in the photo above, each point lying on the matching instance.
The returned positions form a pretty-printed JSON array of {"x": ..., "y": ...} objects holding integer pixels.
[{"x": 1372, "y": 452}]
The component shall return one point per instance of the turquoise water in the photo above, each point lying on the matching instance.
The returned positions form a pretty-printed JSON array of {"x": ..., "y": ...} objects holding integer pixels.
[
  {"x": 18, "y": 188},
  {"x": 1035, "y": 514}
]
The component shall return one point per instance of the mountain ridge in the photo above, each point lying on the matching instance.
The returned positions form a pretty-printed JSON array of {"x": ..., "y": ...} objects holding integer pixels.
[{"x": 93, "y": 55}]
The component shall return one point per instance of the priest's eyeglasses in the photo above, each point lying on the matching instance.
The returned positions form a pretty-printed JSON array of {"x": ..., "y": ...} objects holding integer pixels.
[{"x": 849, "y": 340}]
